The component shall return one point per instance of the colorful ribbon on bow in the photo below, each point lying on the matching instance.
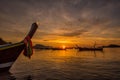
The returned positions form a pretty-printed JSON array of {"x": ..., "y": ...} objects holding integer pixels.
[{"x": 28, "y": 51}]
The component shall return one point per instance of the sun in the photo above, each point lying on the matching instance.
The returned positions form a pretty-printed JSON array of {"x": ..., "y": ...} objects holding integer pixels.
[{"x": 63, "y": 46}]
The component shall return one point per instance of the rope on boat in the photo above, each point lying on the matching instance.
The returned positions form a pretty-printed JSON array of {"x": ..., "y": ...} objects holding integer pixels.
[{"x": 28, "y": 50}]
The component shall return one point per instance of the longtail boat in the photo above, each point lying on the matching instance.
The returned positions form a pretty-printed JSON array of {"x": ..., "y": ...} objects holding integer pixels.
[
  {"x": 10, "y": 52},
  {"x": 90, "y": 49}
]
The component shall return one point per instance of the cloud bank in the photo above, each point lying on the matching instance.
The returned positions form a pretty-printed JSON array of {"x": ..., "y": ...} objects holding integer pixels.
[{"x": 65, "y": 18}]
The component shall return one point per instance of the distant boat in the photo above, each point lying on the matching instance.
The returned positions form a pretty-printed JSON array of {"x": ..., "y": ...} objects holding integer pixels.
[
  {"x": 58, "y": 48},
  {"x": 90, "y": 49},
  {"x": 10, "y": 52}
]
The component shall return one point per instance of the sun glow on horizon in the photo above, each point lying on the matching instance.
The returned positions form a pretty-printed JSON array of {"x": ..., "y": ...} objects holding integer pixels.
[
  {"x": 63, "y": 46},
  {"x": 71, "y": 42}
]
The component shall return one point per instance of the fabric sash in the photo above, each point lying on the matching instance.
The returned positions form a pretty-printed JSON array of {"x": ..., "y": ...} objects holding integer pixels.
[{"x": 28, "y": 50}]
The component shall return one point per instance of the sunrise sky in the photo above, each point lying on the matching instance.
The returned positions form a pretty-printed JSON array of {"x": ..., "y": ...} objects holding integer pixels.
[{"x": 62, "y": 22}]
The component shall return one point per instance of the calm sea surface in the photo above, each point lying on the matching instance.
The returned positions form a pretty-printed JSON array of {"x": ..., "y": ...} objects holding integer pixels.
[{"x": 67, "y": 65}]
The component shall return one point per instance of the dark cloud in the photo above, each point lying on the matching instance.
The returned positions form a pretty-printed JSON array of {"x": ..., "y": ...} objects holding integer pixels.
[
  {"x": 75, "y": 17},
  {"x": 73, "y": 33}
]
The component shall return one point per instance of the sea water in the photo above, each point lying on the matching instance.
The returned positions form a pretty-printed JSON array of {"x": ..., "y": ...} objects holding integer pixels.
[{"x": 68, "y": 64}]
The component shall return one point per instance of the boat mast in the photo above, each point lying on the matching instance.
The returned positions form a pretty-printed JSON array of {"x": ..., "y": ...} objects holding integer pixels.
[{"x": 94, "y": 44}]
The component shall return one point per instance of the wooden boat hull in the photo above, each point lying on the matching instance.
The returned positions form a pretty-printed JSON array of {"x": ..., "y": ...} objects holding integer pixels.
[
  {"x": 9, "y": 55},
  {"x": 10, "y": 52}
]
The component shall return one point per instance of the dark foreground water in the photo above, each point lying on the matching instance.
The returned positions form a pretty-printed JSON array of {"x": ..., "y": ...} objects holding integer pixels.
[{"x": 67, "y": 65}]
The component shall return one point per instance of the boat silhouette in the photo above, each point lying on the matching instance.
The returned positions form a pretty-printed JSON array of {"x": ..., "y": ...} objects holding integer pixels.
[
  {"x": 10, "y": 52},
  {"x": 94, "y": 48}
]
